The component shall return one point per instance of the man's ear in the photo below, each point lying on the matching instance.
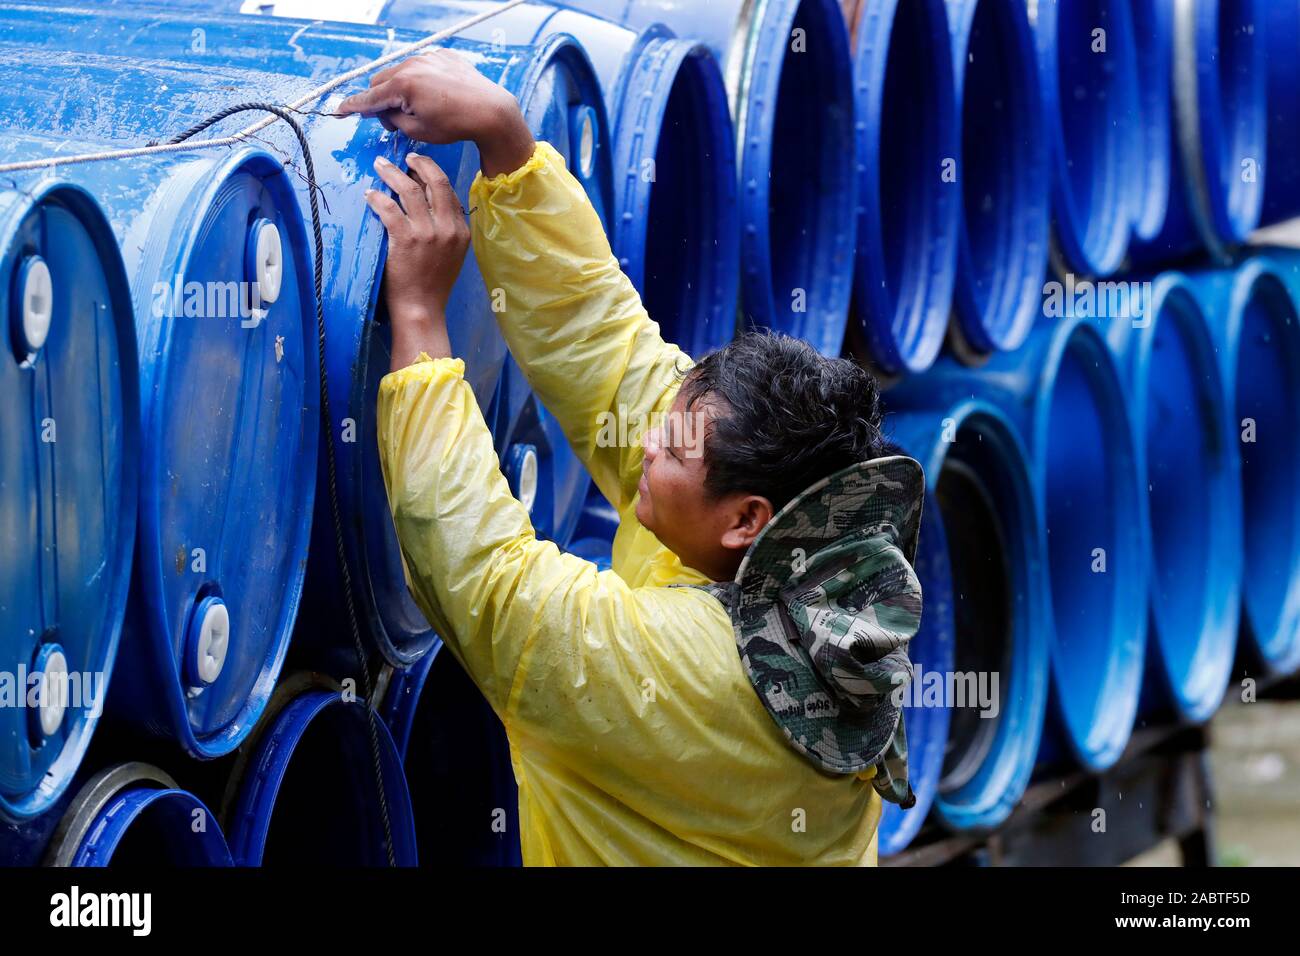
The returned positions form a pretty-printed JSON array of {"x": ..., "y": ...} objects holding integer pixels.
[{"x": 750, "y": 515}]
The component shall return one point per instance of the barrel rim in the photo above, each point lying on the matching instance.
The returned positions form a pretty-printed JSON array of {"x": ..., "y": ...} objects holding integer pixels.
[
  {"x": 1244, "y": 284},
  {"x": 905, "y": 334},
  {"x": 988, "y": 799},
  {"x": 974, "y": 331},
  {"x": 1093, "y": 251},
  {"x": 1221, "y": 609},
  {"x": 755, "y": 101},
  {"x": 1112, "y": 725},
  {"x": 258, "y": 787}
]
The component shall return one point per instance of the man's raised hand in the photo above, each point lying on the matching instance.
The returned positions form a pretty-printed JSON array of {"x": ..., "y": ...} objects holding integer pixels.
[{"x": 440, "y": 98}]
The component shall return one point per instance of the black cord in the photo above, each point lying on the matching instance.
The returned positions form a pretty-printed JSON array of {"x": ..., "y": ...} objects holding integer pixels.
[{"x": 327, "y": 425}]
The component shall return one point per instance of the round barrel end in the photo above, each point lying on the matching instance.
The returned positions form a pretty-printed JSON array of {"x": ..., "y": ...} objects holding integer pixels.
[
  {"x": 1088, "y": 74},
  {"x": 1193, "y": 500},
  {"x": 926, "y": 721},
  {"x": 133, "y": 815},
  {"x": 1005, "y": 176},
  {"x": 309, "y": 794},
  {"x": 797, "y": 182},
  {"x": 230, "y": 476},
  {"x": 69, "y": 403},
  {"x": 1087, "y": 459},
  {"x": 676, "y": 229},
  {"x": 980, "y": 477},
  {"x": 909, "y": 201}
]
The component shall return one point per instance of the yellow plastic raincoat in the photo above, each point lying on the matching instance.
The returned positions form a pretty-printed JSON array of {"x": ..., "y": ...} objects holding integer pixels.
[{"x": 635, "y": 734}]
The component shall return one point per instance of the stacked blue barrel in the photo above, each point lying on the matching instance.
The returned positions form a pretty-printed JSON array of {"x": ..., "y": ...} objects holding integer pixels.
[{"x": 1033, "y": 221}]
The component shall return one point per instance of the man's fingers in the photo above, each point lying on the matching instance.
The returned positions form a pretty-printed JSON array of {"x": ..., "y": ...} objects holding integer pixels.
[
  {"x": 378, "y": 99},
  {"x": 389, "y": 213},
  {"x": 415, "y": 175},
  {"x": 429, "y": 171},
  {"x": 414, "y": 202},
  {"x": 398, "y": 119},
  {"x": 438, "y": 188}
]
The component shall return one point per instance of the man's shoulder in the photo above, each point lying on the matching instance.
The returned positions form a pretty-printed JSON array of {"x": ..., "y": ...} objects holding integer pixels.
[{"x": 691, "y": 632}]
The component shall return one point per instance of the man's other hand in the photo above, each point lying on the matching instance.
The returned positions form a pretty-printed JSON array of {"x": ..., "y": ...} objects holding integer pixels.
[
  {"x": 427, "y": 240},
  {"x": 440, "y": 98}
]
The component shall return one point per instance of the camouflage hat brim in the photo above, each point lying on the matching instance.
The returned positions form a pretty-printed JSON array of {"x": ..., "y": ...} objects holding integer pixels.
[{"x": 830, "y": 578}]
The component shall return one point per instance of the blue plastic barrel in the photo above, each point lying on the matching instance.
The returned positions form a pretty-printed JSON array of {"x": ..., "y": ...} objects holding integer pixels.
[
  {"x": 788, "y": 71},
  {"x": 457, "y": 762},
  {"x": 1065, "y": 394},
  {"x": 134, "y": 815},
  {"x": 979, "y": 475},
  {"x": 252, "y": 58},
  {"x": 1221, "y": 118},
  {"x": 1187, "y": 459},
  {"x": 69, "y": 414},
  {"x": 908, "y": 147},
  {"x": 1258, "y": 337},
  {"x": 1087, "y": 459},
  {"x": 218, "y": 261},
  {"x": 931, "y": 653},
  {"x": 561, "y": 100},
  {"x": 1281, "y": 172},
  {"x": 1087, "y": 61},
  {"x": 674, "y": 223},
  {"x": 229, "y": 470},
  {"x": 1153, "y": 25},
  {"x": 1004, "y": 177},
  {"x": 307, "y": 793}
]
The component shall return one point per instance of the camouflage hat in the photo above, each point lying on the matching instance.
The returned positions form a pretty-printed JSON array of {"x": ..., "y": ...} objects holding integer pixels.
[{"x": 824, "y": 605}]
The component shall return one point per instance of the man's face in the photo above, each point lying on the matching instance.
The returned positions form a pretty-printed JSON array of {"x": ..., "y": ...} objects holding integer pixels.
[
  {"x": 671, "y": 489},
  {"x": 673, "y": 503}
]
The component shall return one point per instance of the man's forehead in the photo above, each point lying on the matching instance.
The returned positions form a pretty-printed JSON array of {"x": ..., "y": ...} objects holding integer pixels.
[
  {"x": 688, "y": 424},
  {"x": 708, "y": 404}
]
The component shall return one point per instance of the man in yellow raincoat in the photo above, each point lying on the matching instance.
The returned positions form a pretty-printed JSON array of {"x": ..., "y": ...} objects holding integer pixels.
[{"x": 725, "y": 694}]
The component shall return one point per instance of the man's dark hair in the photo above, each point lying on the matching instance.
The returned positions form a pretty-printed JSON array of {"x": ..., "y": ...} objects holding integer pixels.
[{"x": 786, "y": 416}]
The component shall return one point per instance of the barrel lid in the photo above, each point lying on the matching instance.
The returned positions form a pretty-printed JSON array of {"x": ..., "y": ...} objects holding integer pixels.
[
  {"x": 225, "y": 299},
  {"x": 69, "y": 409}
]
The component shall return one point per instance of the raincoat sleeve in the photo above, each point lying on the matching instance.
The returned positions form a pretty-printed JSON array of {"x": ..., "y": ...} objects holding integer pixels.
[
  {"x": 573, "y": 321},
  {"x": 560, "y": 650}
]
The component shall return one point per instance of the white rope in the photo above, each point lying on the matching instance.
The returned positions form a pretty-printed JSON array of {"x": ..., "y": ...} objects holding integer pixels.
[{"x": 322, "y": 90}]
